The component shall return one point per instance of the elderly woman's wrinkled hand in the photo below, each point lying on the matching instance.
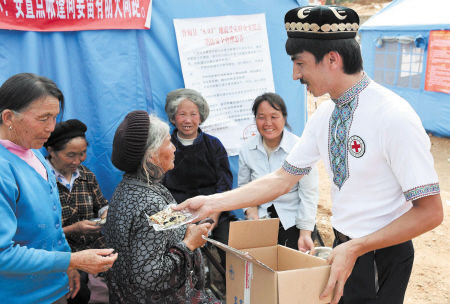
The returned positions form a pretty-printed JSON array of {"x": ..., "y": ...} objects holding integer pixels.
[
  {"x": 87, "y": 226},
  {"x": 74, "y": 283},
  {"x": 193, "y": 237},
  {"x": 93, "y": 260}
]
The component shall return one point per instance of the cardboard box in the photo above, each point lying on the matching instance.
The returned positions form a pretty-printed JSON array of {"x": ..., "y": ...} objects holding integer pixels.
[{"x": 261, "y": 272}]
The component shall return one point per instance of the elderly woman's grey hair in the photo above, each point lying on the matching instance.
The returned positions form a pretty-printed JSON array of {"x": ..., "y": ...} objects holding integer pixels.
[
  {"x": 157, "y": 132},
  {"x": 175, "y": 97}
]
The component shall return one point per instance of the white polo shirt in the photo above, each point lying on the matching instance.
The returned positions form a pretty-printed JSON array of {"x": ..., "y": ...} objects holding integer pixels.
[{"x": 388, "y": 159}]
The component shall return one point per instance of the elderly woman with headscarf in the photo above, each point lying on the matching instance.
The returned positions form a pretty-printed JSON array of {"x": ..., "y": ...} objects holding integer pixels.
[
  {"x": 36, "y": 265},
  {"x": 153, "y": 266},
  {"x": 201, "y": 161},
  {"x": 80, "y": 195}
]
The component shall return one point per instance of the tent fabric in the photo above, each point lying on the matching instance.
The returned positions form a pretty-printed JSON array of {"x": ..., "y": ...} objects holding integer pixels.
[
  {"x": 105, "y": 74},
  {"x": 411, "y": 19},
  {"x": 411, "y": 14}
]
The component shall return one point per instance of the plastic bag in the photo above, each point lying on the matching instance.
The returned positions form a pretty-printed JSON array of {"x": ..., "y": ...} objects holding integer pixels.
[
  {"x": 100, "y": 220},
  {"x": 170, "y": 219}
]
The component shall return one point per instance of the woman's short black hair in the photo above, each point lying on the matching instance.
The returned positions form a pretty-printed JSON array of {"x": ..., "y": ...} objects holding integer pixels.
[
  {"x": 20, "y": 90},
  {"x": 348, "y": 49},
  {"x": 64, "y": 132},
  {"x": 274, "y": 100}
]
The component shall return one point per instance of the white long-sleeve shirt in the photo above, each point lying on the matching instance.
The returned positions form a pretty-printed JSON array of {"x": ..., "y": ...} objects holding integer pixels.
[{"x": 298, "y": 206}]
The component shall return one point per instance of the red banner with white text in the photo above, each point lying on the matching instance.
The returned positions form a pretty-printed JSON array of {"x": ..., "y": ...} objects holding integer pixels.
[{"x": 74, "y": 15}]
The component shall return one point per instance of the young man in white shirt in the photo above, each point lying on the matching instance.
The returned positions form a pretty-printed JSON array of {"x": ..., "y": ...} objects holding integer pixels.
[{"x": 385, "y": 190}]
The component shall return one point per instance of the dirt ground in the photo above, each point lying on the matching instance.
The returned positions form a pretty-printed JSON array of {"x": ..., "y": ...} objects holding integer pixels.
[{"x": 430, "y": 279}]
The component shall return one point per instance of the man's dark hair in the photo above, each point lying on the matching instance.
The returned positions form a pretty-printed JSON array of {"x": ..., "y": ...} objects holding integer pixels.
[{"x": 348, "y": 49}]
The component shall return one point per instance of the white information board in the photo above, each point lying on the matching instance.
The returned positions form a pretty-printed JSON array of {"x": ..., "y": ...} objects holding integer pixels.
[{"x": 226, "y": 59}]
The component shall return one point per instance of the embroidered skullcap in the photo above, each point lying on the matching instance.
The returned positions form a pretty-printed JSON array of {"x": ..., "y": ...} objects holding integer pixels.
[
  {"x": 321, "y": 22},
  {"x": 130, "y": 141},
  {"x": 66, "y": 130}
]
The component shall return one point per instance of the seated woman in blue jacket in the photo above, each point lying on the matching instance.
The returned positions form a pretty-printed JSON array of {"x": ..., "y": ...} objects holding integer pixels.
[{"x": 265, "y": 153}]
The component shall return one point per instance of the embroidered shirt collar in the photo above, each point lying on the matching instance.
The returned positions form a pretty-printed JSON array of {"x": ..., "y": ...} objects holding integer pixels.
[{"x": 351, "y": 93}]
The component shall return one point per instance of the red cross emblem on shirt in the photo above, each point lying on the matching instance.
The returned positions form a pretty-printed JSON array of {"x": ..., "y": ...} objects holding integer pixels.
[{"x": 356, "y": 146}]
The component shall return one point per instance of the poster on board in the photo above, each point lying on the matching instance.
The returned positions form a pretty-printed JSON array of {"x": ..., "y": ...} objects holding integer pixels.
[
  {"x": 226, "y": 59},
  {"x": 437, "y": 77}
]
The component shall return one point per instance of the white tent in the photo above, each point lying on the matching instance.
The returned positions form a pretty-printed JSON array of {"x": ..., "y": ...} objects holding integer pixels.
[{"x": 395, "y": 45}]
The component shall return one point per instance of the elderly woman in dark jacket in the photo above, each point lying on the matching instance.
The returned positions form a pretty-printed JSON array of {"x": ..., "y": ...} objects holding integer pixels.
[
  {"x": 153, "y": 266},
  {"x": 201, "y": 161}
]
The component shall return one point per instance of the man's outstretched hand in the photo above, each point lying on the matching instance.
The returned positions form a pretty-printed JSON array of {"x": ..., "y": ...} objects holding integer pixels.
[{"x": 199, "y": 205}]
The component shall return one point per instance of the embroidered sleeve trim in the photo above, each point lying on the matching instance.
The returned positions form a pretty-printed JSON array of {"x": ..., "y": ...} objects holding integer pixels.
[
  {"x": 294, "y": 170},
  {"x": 422, "y": 191}
]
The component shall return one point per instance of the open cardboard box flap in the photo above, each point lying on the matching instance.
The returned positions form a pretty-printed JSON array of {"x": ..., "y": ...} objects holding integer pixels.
[
  {"x": 258, "y": 233},
  {"x": 285, "y": 275},
  {"x": 240, "y": 254},
  {"x": 257, "y": 242},
  {"x": 254, "y": 233}
]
